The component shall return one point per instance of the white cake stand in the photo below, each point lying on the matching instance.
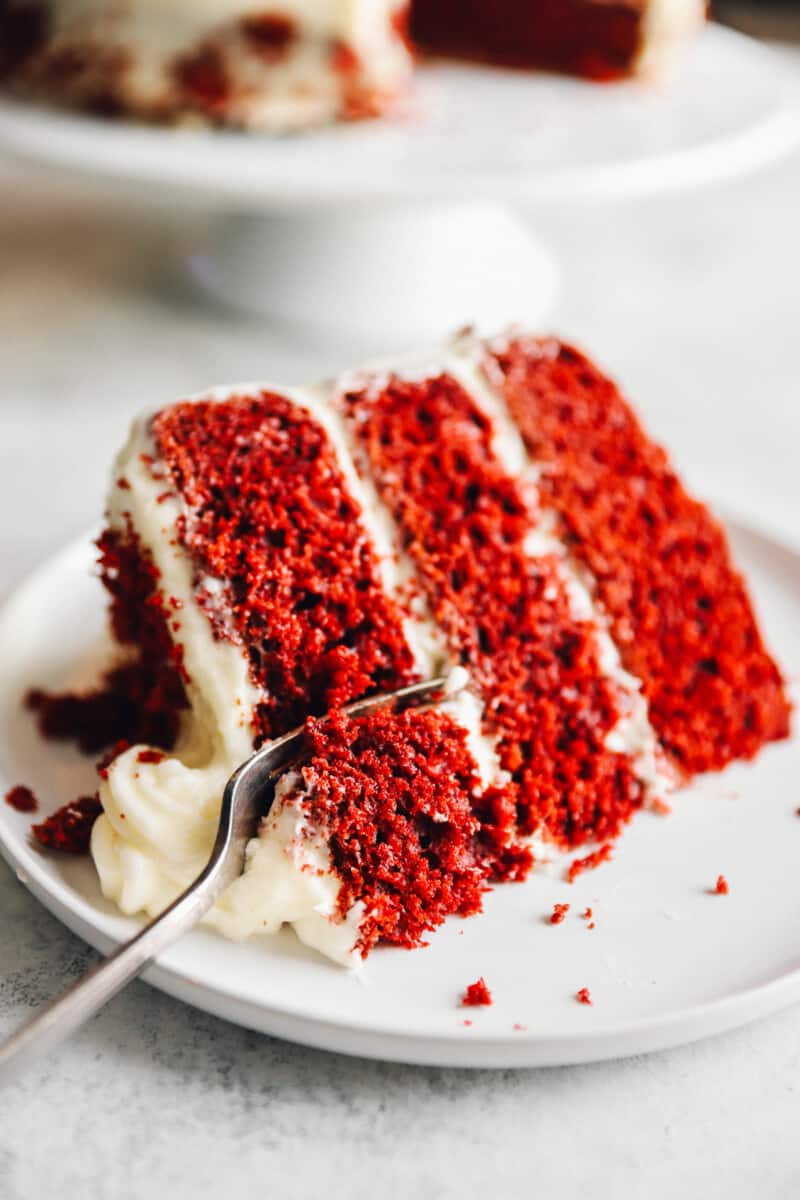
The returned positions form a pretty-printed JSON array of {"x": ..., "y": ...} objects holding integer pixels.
[{"x": 399, "y": 231}]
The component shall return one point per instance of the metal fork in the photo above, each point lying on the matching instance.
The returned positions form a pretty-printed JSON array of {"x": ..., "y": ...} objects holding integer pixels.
[{"x": 247, "y": 798}]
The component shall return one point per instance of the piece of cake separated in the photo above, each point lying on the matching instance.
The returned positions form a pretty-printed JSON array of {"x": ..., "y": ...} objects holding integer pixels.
[
  {"x": 302, "y": 63},
  {"x": 495, "y": 512}
]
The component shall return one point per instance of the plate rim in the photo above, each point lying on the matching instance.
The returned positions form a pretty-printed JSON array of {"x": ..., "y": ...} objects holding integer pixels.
[{"x": 446, "y": 1047}]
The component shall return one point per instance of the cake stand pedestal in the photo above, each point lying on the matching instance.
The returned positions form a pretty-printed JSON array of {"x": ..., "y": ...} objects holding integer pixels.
[
  {"x": 366, "y": 276},
  {"x": 394, "y": 232}
]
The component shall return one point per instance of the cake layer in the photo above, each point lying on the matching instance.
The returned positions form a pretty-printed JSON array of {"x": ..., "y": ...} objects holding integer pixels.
[
  {"x": 599, "y": 39},
  {"x": 494, "y": 510},
  {"x": 267, "y": 510},
  {"x": 267, "y": 66}
]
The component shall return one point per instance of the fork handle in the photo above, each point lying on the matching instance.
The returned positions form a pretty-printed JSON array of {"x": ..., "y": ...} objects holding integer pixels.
[{"x": 62, "y": 1015}]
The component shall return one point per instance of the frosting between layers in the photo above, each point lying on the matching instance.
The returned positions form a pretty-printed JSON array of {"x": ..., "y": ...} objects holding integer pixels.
[{"x": 633, "y": 735}]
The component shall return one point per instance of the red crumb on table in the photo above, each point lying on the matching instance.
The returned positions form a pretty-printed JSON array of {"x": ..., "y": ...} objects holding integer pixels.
[
  {"x": 150, "y": 756},
  {"x": 558, "y": 914},
  {"x": 584, "y": 996},
  {"x": 70, "y": 828},
  {"x": 579, "y": 865},
  {"x": 477, "y": 994},
  {"x": 467, "y": 1023},
  {"x": 587, "y": 913},
  {"x": 517, "y": 1028},
  {"x": 721, "y": 887},
  {"x": 22, "y": 799},
  {"x": 661, "y": 808},
  {"x": 590, "y": 925}
]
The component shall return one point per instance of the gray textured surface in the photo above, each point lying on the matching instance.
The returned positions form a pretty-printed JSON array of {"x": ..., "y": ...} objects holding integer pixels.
[{"x": 694, "y": 303}]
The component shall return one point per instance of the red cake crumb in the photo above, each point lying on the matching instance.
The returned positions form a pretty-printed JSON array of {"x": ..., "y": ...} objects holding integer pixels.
[
  {"x": 589, "y": 863},
  {"x": 679, "y": 610},
  {"x": 661, "y": 808},
  {"x": 304, "y": 597},
  {"x": 70, "y": 829},
  {"x": 467, "y": 1022},
  {"x": 476, "y": 994},
  {"x": 721, "y": 887},
  {"x": 517, "y": 1028},
  {"x": 584, "y": 996},
  {"x": 558, "y": 914},
  {"x": 465, "y": 521},
  {"x": 587, "y": 914},
  {"x": 150, "y": 756},
  {"x": 22, "y": 799},
  {"x": 591, "y": 925}
]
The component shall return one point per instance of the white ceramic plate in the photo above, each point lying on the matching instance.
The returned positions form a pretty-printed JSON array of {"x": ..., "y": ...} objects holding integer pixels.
[
  {"x": 470, "y": 131},
  {"x": 668, "y": 961}
]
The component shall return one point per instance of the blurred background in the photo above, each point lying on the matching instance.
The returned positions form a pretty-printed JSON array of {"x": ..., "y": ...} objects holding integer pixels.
[{"x": 692, "y": 300}]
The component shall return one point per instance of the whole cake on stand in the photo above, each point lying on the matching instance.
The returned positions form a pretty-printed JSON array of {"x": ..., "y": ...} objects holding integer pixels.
[{"x": 302, "y": 63}]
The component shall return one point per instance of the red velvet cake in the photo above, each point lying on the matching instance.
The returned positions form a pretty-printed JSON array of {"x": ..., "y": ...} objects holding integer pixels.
[
  {"x": 301, "y": 63},
  {"x": 497, "y": 514}
]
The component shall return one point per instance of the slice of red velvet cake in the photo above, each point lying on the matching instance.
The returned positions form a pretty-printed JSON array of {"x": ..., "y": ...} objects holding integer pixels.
[{"x": 274, "y": 553}]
